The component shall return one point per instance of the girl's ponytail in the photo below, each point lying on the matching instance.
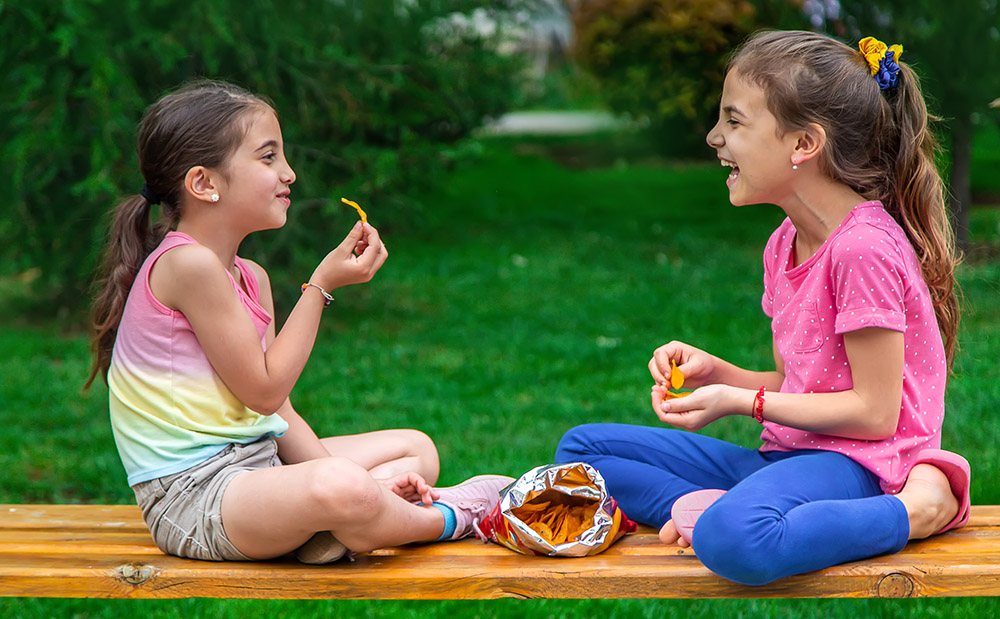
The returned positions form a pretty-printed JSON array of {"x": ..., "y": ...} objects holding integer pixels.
[
  {"x": 130, "y": 240},
  {"x": 917, "y": 200}
]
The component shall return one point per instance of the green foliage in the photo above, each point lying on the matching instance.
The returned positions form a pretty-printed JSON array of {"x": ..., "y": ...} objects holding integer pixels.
[
  {"x": 375, "y": 98},
  {"x": 956, "y": 52},
  {"x": 663, "y": 59}
]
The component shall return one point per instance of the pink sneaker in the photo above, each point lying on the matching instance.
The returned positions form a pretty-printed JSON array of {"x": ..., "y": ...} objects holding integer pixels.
[
  {"x": 689, "y": 508},
  {"x": 471, "y": 500}
]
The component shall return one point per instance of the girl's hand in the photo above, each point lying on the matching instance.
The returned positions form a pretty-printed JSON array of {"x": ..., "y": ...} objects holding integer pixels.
[
  {"x": 697, "y": 365},
  {"x": 355, "y": 261},
  {"x": 703, "y": 406},
  {"x": 411, "y": 487}
]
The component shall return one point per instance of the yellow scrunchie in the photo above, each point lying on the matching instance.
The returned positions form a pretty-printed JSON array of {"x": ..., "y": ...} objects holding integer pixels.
[{"x": 873, "y": 50}]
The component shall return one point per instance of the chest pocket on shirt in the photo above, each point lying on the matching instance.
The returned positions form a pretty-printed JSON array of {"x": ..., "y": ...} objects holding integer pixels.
[{"x": 806, "y": 334}]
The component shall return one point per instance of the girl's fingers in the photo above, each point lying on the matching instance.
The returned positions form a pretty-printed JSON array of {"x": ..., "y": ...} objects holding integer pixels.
[{"x": 654, "y": 371}]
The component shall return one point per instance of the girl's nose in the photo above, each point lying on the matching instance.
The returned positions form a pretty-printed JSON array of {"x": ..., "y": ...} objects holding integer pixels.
[{"x": 714, "y": 137}]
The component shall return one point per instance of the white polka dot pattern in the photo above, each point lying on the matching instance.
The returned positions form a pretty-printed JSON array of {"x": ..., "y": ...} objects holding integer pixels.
[{"x": 865, "y": 275}]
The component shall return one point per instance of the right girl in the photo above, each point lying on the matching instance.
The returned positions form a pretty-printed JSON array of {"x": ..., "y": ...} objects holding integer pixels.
[{"x": 860, "y": 289}]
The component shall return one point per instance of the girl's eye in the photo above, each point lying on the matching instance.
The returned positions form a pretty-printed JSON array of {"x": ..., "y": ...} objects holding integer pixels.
[
  {"x": 270, "y": 157},
  {"x": 733, "y": 121}
]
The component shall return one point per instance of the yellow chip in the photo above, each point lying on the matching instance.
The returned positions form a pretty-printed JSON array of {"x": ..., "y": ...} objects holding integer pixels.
[
  {"x": 676, "y": 380},
  {"x": 364, "y": 217}
]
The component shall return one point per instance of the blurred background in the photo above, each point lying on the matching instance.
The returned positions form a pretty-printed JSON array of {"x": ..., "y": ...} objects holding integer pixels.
[
  {"x": 379, "y": 99},
  {"x": 539, "y": 171}
]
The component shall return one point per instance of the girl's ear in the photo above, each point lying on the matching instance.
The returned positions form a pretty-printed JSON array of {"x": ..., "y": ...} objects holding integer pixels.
[
  {"x": 810, "y": 143},
  {"x": 200, "y": 183}
]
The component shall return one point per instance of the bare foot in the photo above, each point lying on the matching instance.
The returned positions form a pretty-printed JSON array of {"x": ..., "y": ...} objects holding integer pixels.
[
  {"x": 669, "y": 535},
  {"x": 929, "y": 502}
]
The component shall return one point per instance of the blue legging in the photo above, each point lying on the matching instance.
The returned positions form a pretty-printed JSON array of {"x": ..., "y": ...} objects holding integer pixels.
[{"x": 785, "y": 513}]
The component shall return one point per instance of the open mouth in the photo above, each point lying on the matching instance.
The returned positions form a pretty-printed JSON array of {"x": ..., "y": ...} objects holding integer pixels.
[{"x": 732, "y": 175}]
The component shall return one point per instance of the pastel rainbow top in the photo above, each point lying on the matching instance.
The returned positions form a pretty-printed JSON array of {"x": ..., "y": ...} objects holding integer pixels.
[{"x": 170, "y": 410}]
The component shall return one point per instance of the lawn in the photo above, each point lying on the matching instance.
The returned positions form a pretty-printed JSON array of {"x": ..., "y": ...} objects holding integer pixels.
[{"x": 526, "y": 300}]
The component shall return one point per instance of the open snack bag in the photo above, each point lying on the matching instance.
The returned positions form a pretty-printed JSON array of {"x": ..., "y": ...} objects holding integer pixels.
[{"x": 558, "y": 510}]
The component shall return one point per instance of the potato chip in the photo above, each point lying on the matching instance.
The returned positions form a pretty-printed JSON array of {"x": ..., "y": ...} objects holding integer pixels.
[
  {"x": 676, "y": 381},
  {"x": 364, "y": 217}
]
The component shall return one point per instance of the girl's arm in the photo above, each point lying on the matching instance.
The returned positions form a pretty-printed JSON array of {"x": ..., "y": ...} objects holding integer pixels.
[
  {"x": 192, "y": 280},
  {"x": 868, "y": 411},
  {"x": 299, "y": 443}
]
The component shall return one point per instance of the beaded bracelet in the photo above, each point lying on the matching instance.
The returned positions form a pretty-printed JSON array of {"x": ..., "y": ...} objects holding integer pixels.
[
  {"x": 757, "y": 412},
  {"x": 326, "y": 295}
]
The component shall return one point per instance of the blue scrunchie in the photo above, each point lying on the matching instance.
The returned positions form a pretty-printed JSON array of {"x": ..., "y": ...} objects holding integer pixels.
[{"x": 888, "y": 71}]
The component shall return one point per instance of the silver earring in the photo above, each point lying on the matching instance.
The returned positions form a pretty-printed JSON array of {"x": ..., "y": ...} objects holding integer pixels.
[
  {"x": 795, "y": 167},
  {"x": 215, "y": 197}
]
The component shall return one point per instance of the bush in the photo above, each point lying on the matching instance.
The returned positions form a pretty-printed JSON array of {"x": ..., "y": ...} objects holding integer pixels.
[
  {"x": 662, "y": 59},
  {"x": 375, "y": 97}
]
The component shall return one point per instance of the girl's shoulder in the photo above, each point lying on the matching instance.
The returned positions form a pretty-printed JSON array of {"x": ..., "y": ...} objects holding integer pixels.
[
  {"x": 870, "y": 231},
  {"x": 189, "y": 260},
  {"x": 183, "y": 270}
]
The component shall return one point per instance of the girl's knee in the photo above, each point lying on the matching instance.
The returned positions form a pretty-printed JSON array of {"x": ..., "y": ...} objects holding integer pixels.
[
  {"x": 422, "y": 449},
  {"x": 577, "y": 443},
  {"x": 344, "y": 489},
  {"x": 735, "y": 545},
  {"x": 421, "y": 446}
]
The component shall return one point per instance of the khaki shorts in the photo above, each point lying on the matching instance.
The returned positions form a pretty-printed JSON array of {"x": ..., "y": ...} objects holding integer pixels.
[{"x": 184, "y": 511}]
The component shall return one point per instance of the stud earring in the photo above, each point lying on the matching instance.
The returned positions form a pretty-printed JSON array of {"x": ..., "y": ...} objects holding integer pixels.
[
  {"x": 215, "y": 197},
  {"x": 795, "y": 167}
]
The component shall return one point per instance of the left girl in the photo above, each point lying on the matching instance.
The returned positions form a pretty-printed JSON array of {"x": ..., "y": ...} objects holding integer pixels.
[{"x": 222, "y": 465}]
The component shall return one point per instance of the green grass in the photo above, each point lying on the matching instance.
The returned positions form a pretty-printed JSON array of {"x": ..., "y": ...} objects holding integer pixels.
[{"x": 528, "y": 301}]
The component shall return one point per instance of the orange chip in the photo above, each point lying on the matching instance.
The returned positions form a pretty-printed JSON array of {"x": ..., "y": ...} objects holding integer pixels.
[
  {"x": 676, "y": 380},
  {"x": 364, "y": 217}
]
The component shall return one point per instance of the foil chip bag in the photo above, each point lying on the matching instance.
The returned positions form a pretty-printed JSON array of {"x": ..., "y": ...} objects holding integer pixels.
[{"x": 557, "y": 510}]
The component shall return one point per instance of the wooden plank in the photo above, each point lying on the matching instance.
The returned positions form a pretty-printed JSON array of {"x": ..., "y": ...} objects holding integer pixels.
[{"x": 105, "y": 551}]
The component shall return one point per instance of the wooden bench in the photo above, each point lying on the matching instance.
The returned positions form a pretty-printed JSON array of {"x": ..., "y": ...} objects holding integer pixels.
[{"x": 105, "y": 551}]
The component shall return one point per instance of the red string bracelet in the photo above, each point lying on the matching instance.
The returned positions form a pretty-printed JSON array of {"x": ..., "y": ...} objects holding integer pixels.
[{"x": 758, "y": 406}]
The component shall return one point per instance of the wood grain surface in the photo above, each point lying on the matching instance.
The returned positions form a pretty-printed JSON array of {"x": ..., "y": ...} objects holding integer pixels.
[{"x": 105, "y": 551}]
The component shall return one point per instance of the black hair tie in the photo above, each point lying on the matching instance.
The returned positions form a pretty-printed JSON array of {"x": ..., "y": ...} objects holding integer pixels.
[{"x": 150, "y": 195}]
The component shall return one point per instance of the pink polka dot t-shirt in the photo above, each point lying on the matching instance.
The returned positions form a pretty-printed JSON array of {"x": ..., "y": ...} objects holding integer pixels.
[{"x": 866, "y": 274}]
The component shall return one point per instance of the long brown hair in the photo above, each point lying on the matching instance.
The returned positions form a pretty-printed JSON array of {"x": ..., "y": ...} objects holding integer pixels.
[
  {"x": 878, "y": 142},
  {"x": 202, "y": 124}
]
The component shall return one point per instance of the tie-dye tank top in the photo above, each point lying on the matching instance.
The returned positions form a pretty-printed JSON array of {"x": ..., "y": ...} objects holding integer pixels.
[{"x": 170, "y": 410}]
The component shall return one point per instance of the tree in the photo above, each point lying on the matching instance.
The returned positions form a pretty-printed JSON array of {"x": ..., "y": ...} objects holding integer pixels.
[
  {"x": 374, "y": 96},
  {"x": 663, "y": 60}
]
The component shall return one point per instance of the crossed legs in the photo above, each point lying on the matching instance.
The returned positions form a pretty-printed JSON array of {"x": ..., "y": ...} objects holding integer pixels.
[{"x": 270, "y": 512}]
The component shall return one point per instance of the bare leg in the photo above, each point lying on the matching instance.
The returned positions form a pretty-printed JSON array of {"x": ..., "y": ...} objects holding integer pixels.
[
  {"x": 929, "y": 501},
  {"x": 387, "y": 453},
  {"x": 270, "y": 512}
]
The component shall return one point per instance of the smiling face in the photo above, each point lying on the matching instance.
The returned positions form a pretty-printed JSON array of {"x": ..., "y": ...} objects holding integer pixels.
[
  {"x": 257, "y": 176},
  {"x": 747, "y": 139}
]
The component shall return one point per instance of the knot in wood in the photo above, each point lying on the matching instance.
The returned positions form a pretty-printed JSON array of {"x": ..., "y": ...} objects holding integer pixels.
[
  {"x": 896, "y": 585},
  {"x": 135, "y": 573}
]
